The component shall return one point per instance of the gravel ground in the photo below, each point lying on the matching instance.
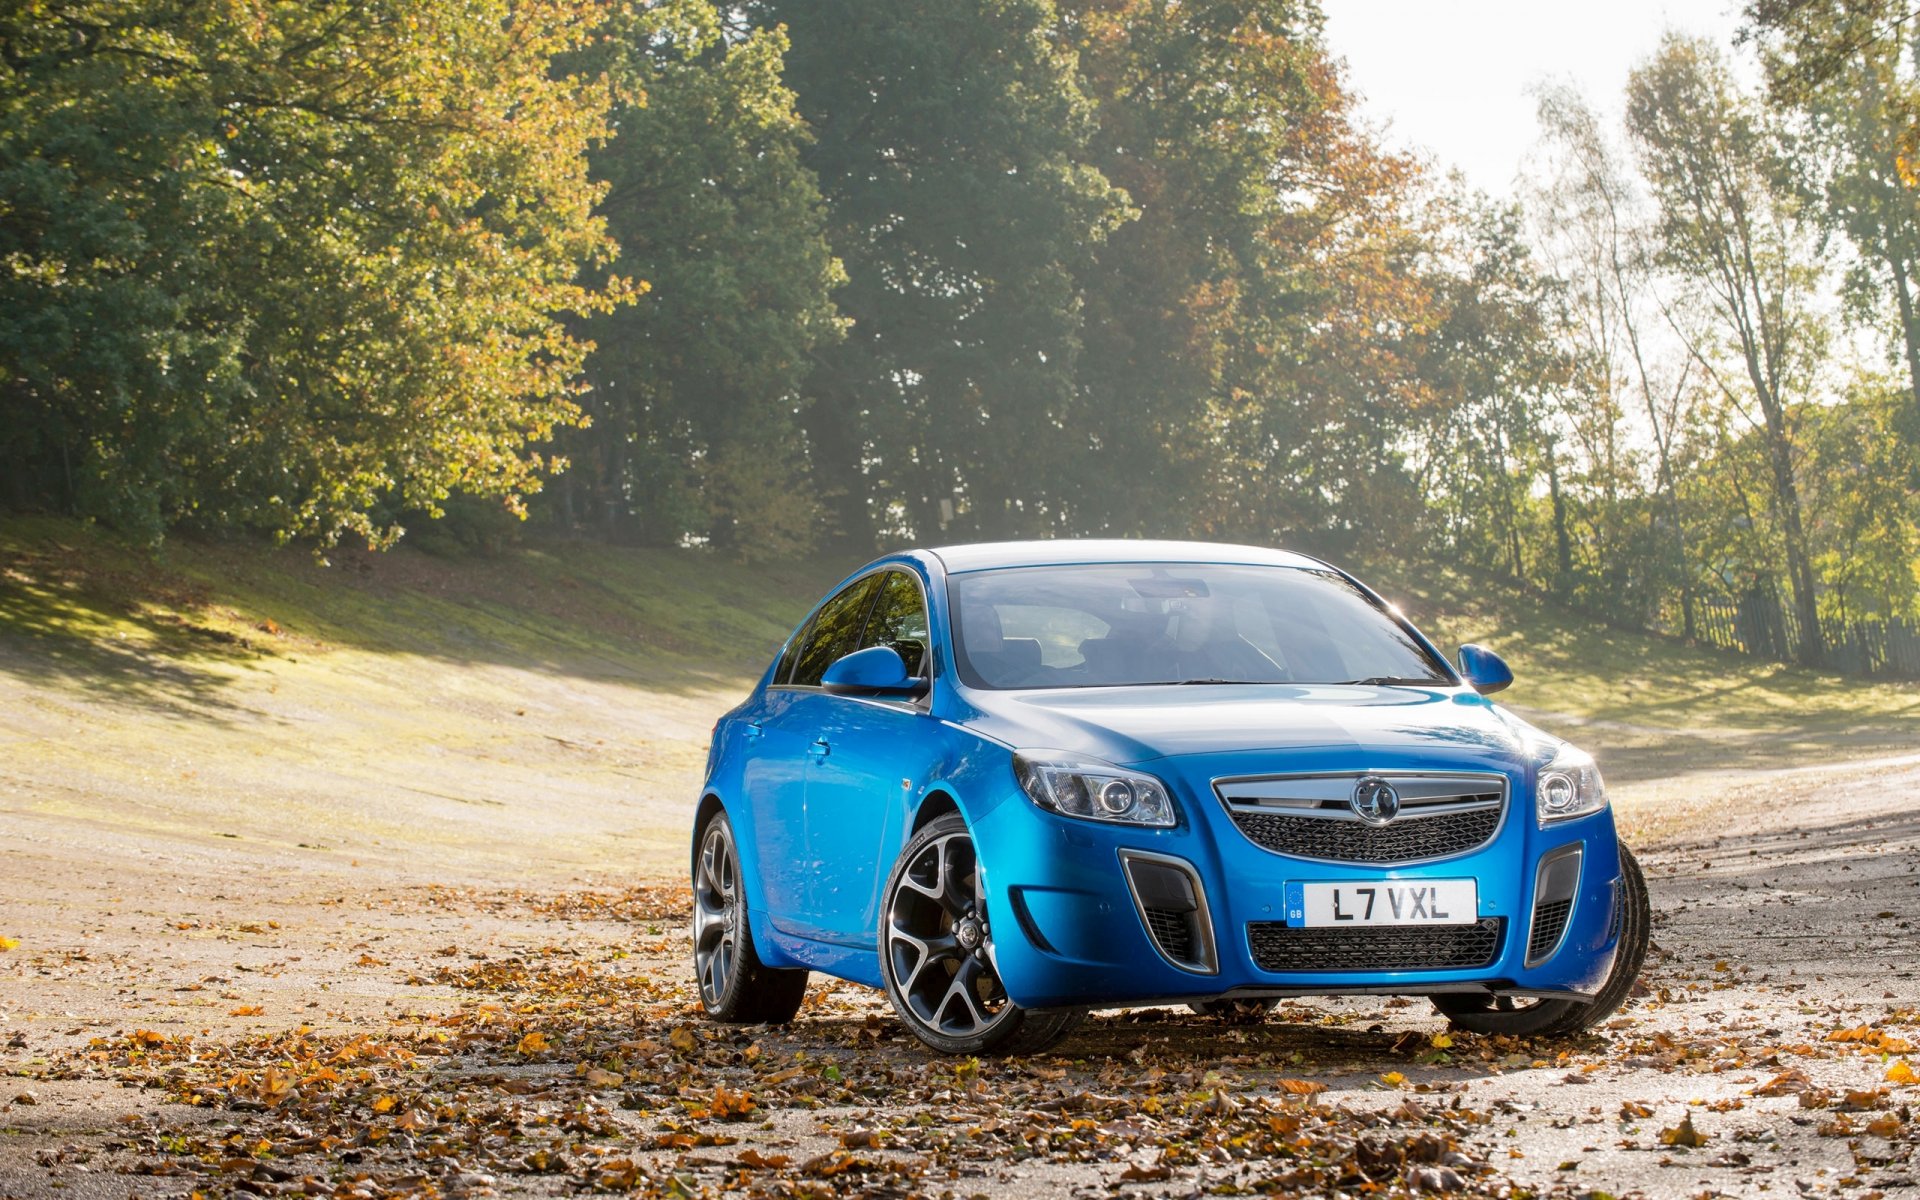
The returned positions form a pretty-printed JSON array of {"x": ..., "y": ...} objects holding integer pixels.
[{"x": 1765, "y": 1056}]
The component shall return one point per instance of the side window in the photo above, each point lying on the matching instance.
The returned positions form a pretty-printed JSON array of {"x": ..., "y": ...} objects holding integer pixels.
[
  {"x": 899, "y": 620},
  {"x": 784, "y": 672},
  {"x": 835, "y": 632}
]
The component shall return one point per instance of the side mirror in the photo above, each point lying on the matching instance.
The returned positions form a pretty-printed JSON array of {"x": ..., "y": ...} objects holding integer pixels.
[
  {"x": 875, "y": 671},
  {"x": 1486, "y": 671}
]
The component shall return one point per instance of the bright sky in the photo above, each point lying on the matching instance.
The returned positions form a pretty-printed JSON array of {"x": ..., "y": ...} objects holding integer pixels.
[{"x": 1451, "y": 77}]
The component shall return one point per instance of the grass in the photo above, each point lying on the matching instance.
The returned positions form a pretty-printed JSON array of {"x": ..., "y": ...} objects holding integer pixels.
[
  {"x": 660, "y": 617},
  {"x": 548, "y": 709},
  {"x": 1658, "y": 708}
]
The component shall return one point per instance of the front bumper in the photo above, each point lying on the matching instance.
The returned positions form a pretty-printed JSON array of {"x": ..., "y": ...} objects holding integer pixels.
[{"x": 1072, "y": 927}]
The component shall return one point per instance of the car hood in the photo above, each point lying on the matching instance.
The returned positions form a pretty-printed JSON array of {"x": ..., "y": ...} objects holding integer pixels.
[{"x": 1315, "y": 726}]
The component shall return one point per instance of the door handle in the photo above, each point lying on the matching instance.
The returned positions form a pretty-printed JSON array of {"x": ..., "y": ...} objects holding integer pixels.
[
  {"x": 820, "y": 748},
  {"x": 753, "y": 731}
]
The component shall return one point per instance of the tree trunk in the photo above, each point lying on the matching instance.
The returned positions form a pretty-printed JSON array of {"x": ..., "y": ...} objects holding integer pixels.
[
  {"x": 1812, "y": 649},
  {"x": 1562, "y": 540},
  {"x": 1910, "y": 332}
]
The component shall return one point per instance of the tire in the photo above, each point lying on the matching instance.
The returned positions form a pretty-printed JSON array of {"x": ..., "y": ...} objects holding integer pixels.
[
  {"x": 735, "y": 986},
  {"x": 936, "y": 953},
  {"x": 1558, "y": 1018},
  {"x": 1235, "y": 1012}
]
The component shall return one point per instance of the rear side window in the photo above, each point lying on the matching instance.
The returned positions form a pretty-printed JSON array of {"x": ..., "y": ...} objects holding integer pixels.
[
  {"x": 899, "y": 620},
  {"x": 835, "y": 632}
]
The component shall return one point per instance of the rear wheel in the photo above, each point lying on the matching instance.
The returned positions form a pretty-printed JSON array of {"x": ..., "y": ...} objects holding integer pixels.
[
  {"x": 1516, "y": 1017},
  {"x": 735, "y": 985},
  {"x": 937, "y": 953},
  {"x": 1235, "y": 1012}
]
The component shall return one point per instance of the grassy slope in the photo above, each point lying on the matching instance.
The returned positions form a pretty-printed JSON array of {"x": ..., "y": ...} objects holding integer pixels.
[{"x": 548, "y": 710}]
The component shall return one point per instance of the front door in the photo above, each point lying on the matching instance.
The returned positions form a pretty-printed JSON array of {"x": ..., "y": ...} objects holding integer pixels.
[
  {"x": 786, "y": 736},
  {"x": 870, "y": 755}
]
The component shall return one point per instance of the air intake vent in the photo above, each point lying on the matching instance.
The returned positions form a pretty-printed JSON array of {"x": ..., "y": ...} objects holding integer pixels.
[
  {"x": 1556, "y": 881},
  {"x": 1173, "y": 931},
  {"x": 1287, "y": 950},
  {"x": 1549, "y": 922},
  {"x": 1173, "y": 906}
]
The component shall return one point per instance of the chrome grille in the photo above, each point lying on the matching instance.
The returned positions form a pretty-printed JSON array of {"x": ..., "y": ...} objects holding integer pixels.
[
  {"x": 1308, "y": 816},
  {"x": 1285, "y": 949}
]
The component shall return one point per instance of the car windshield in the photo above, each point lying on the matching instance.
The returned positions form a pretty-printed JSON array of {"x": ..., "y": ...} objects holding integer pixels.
[{"x": 1126, "y": 624}]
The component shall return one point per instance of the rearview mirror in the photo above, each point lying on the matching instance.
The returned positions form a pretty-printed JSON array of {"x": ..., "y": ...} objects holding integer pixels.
[
  {"x": 1486, "y": 671},
  {"x": 875, "y": 671}
]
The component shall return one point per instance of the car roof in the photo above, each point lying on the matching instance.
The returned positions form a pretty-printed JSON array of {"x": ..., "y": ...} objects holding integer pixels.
[{"x": 981, "y": 556}]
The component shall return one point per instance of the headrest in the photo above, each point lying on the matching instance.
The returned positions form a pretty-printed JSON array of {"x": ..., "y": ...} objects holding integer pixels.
[
  {"x": 1022, "y": 654},
  {"x": 980, "y": 628}
]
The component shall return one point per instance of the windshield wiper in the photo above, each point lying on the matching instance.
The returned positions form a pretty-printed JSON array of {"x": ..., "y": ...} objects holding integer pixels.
[
  {"x": 1204, "y": 680},
  {"x": 1389, "y": 681}
]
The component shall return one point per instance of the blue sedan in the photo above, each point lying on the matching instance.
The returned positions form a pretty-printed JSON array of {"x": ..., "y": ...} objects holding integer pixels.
[{"x": 1012, "y": 783}]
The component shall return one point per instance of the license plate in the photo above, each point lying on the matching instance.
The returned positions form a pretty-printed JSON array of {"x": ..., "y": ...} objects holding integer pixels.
[{"x": 1384, "y": 902}]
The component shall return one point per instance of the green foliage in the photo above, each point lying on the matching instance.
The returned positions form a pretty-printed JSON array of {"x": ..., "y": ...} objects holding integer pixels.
[
  {"x": 1267, "y": 282},
  {"x": 696, "y": 388},
  {"x": 272, "y": 263},
  {"x": 949, "y": 142},
  {"x": 1866, "y": 543},
  {"x": 1852, "y": 70},
  {"x": 1720, "y": 172}
]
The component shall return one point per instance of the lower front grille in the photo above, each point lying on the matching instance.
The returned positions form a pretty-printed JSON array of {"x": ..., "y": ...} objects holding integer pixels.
[
  {"x": 1174, "y": 932},
  {"x": 1285, "y": 949},
  {"x": 1405, "y": 840},
  {"x": 1549, "y": 920}
]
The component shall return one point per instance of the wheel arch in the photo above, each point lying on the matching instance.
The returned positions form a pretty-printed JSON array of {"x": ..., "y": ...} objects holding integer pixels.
[
  {"x": 709, "y": 804},
  {"x": 936, "y": 802},
  {"x": 764, "y": 944}
]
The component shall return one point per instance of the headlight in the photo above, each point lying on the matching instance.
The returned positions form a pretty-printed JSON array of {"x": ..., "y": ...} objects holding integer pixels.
[
  {"x": 1568, "y": 786},
  {"x": 1077, "y": 786}
]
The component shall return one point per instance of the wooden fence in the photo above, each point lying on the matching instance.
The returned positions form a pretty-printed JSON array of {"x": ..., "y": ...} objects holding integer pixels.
[{"x": 1760, "y": 625}]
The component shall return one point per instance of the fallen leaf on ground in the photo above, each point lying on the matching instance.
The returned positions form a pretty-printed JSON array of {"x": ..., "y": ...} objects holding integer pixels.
[
  {"x": 1683, "y": 1135},
  {"x": 1158, "y": 1173},
  {"x": 1786, "y": 1083}
]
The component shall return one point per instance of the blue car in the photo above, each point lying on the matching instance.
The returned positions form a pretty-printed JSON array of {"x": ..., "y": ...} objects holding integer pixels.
[{"x": 1012, "y": 783}]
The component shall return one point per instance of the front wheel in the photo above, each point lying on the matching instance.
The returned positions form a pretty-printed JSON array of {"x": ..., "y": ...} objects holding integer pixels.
[
  {"x": 936, "y": 953},
  {"x": 1557, "y": 1018},
  {"x": 735, "y": 985}
]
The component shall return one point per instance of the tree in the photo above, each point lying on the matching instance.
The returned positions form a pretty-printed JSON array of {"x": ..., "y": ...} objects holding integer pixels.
[
  {"x": 1867, "y": 543},
  {"x": 1853, "y": 68},
  {"x": 697, "y": 387},
  {"x": 950, "y": 145},
  {"x": 1197, "y": 105},
  {"x": 1596, "y": 231},
  {"x": 1496, "y": 368},
  {"x": 285, "y": 265},
  {"x": 1730, "y": 224}
]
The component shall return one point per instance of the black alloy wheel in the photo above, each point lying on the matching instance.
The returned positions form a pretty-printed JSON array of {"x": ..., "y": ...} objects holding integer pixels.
[
  {"x": 734, "y": 985},
  {"x": 937, "y": 952},
  {"x": 1544, "y": 1017}
]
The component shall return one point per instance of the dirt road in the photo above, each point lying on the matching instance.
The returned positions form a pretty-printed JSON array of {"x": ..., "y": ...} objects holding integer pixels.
[{"x": 214, "y": 1014}]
